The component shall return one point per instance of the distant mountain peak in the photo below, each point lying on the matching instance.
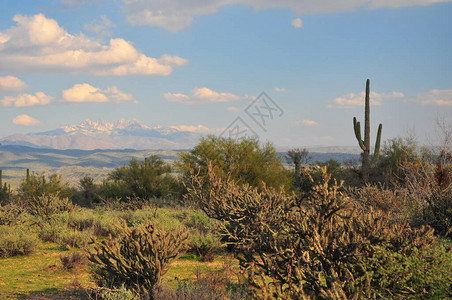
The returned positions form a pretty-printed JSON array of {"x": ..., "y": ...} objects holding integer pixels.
[
  {"x": 93, "y": 127},
  {"x": 102, "y": 134}
]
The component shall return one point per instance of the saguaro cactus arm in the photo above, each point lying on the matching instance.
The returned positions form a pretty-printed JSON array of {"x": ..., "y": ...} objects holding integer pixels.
[
  {"x": 377, "y": 142},
  {"x": 357, "y": 127}
]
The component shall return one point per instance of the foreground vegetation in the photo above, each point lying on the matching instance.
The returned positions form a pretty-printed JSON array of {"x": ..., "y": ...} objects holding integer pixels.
[{"x": 249, "y": 228}]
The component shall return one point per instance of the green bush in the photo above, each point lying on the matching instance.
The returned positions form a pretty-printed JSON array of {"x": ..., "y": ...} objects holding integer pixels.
[
  {"x": 245, "y": 161},
  {"x": 35, "y": 185},
  {"x": 141, "y": 179},
  {"x": 120, "y": 293},
  {"x": 73, "y": 238},
  {"x": 73, "y": 260},
  {"x": 51, "y": 231},
  {"x": 137, "y": 259},
  {"x": 204, "y": 244},
  {"x": 17, "y": 241}
]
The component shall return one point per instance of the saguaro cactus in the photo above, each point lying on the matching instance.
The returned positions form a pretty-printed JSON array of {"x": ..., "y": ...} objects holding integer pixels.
[{"x": 365, "y": 144}]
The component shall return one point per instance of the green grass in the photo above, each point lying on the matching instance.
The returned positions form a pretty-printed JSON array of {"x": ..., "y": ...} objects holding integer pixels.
[
  {"x": 42, "y": 276},
  {"x": 39, "y": 274}
]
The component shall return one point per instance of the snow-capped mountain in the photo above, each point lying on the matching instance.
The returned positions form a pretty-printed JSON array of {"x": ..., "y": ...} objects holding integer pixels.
[{"x": 101, "y": 134}]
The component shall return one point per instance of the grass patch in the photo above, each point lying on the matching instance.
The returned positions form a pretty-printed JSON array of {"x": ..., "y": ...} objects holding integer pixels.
[{"x": 41, "y": 275}]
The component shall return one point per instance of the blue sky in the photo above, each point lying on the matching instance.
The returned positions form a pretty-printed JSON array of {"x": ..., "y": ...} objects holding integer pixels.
[{"x": 196, "y": 65}]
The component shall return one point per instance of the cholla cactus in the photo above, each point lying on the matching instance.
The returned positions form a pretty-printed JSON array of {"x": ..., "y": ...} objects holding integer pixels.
[
  {"x": 138, "y": 259},
  {"x": 320, "y": 245}
]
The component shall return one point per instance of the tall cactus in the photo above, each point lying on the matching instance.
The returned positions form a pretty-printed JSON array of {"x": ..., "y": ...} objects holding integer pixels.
[{"x": 365, "y": 144}]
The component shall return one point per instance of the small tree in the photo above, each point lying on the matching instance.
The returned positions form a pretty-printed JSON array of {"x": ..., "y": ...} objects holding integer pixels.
[
  {"x": 144, "y": 179},
  {"x": 245, "y": 161}
]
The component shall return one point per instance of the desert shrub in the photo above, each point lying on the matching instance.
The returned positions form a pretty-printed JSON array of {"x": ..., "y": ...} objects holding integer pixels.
[
  {"x": 73, "y": 260},
  {"x": 317, "y": 245},
  {"x": 433, "y": 202},
  {"x": 421, "y": 273},
  {"x": 121, "y": 293},
  {"x": 51, "y": 231},
  {"x": 12, "y": 215},
  {"x": 204, "y": 244},
  {"x": 137, "y": 259},
  {"x": 17, "y": 241},
  {"x": 60, "y": 233},
  {"x": 71, "y": 238},
  {"x": 35, "y": 185},
  {"x": 212, "y": 284},
  {"x": 81, "y": 219},
  {"x": 47, "y": 205},
  {"x": 204, "y": 240}
]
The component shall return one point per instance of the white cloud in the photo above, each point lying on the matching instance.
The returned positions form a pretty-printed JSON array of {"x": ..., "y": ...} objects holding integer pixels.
[
  {"x": 192, "y": 128},
  {"x": 39, "y": 43},
  {"x": 201, "y": 95},
  {"x": 357, "y": 99},
  {"x": 297, "y": 23},
  {"x": 84, "y": 93},
  {"x": 11, "y": 83},
  {"x": 435, "y": 97},
  {"x": 25, "y": 120},
  {"x": 173, "y": 61},
  {"x": 280, "y": 90},
  {"x": 307, "y": 123},
  {"x": 23, "y": 100},
  {"x": 87, "y": 93},
  {"x": 175, "y": 15}
]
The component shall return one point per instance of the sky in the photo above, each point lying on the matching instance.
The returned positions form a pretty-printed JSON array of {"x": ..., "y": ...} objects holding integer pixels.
[{"x": 292, "y": 72}]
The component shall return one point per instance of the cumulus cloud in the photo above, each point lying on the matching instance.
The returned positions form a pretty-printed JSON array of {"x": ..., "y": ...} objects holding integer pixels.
[
  {"x": 307, "y": 123},
  {"x": 25, "y": 120},
  {"x": 87, "y": 93},
  {"x": 200, "y": 96},
  {"x": 280, "y": 90},
  {"x": 23, "y": 100},
  {"x": 175, "y": 15},
  {"x": 435, "y": 97},
  {"x": 357, "y": 99},
  {"x": 297, "y": 23},
  {"x": 39, "y": 43},
  {"x": 11, "y": 83}
]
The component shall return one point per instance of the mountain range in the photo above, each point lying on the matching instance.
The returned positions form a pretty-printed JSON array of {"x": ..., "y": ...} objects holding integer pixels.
[{"x": 101, "y": 134}]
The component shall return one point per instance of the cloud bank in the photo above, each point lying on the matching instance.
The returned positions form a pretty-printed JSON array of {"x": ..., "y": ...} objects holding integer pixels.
[
  {"x": 24, "y": 100},
  {"x": 175, "y": 15},
  {"x": 39, "y": 43},
  {"x": 353, "y": 100}
]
